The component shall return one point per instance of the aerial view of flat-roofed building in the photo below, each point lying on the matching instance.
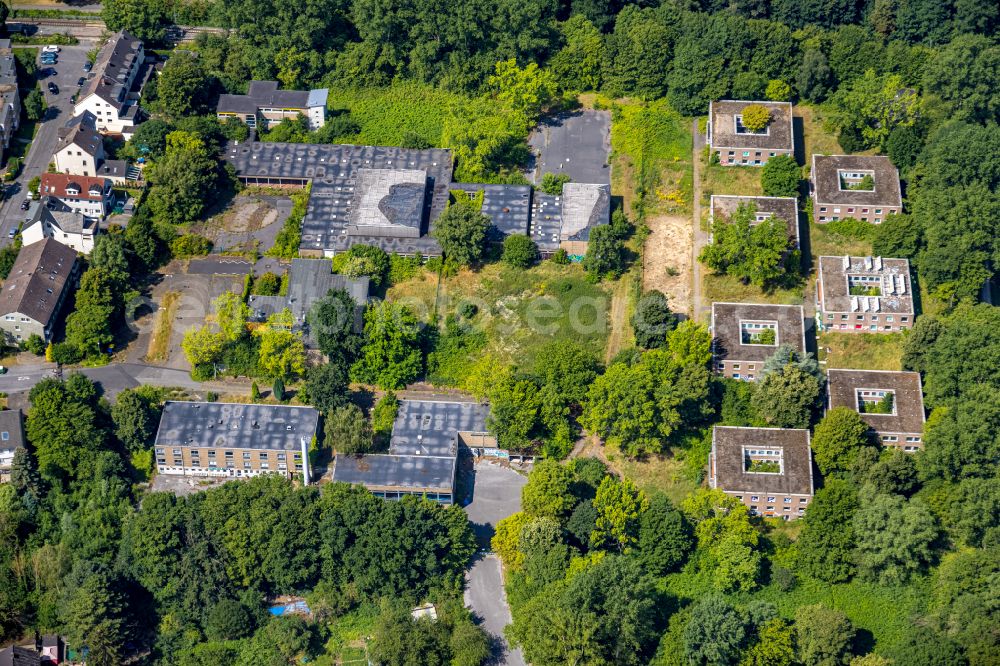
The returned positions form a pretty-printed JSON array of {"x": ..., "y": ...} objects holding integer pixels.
[
  {"x": 745, "y": 335},
  {"x": 892, "y": 403},
  {"x": 767, "y": 469},
  {"x": 864, "y": 294},
  {"x": 735, "y": 144},
  {"x": 264, "y": 105},
  {"x": 423, "y": 451},
  {"x": 863, "y": 187},
  {"x": 217, "y": 439},
  {"x": 781, "y": 208}
]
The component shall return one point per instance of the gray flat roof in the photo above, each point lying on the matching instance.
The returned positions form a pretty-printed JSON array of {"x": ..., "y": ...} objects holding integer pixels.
[
  {"x": 584, "y": 206},
  {"x": 891, "y": 275},
  {"x": 236, "y": 426},
  {"x": 397, "y": 473},
  {"x": 333, "y": 171},
  {"x": 727, "y": 336},
  {"x": 908, "y": 399},
  {"x": 11, "y": 430},
  {"x": 546, "y": 220},
  {"x": 728, "y": 452},
  {"x": 507, "y": 206},
  {"x": 388, "y": 202},
  {"x": 778, "y": 135},
  {"x": 423, "y": 448},
  {"x": 826, "y": 170}
]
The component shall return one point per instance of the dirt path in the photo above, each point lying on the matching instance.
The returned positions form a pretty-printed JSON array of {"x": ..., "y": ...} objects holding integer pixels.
[
  {"x": 700, "y": 311},
  {"x": 617, "y": 319}
]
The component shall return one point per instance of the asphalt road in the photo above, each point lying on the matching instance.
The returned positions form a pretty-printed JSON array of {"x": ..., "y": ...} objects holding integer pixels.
[
  {"x": 576, "y": 143},
  {"x": 113, "y": 378},
  {"x": 484, "y": 594},
  {"x": 66, "y": 73}
]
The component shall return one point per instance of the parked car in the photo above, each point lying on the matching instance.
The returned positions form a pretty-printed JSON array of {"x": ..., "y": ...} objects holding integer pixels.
[
  {"x": 87, "y": 66},
  {"x": 51, "y": 48},
  {"x": 81, "y": 81},
  {"x": 53, "y": 88},
  {"x": 49, "y": 61},
  {"x": 12, "y": 233},
  {"x": 26, "y": 204}
]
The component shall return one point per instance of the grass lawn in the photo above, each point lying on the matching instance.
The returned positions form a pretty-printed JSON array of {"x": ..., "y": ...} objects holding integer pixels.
[
  {"x": 823, "y": 242},
  {"x": 519, "y": 310},
  {"x": 872, "y": 351},
  {"x": 728, "y": 289},
  {"x": 347, "y": 636},
  {"x": 816, "y": 139},
  {"x": 664, "y": 474},
  {"x": 736, "y": 180}
]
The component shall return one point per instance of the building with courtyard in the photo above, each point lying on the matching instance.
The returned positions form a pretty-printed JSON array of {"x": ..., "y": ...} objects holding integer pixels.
[
  {"x": 892, "y": 403},
  {"x": 215, "y": 439},
  {"x": 423, "y": 451},
  {"x": 767, "y": 469},
  {"x": 863, "y": 187},
  {"x": 783, "y": 208},
  {"x": 745, "y": 335},
  {"x": 735, "y": 144},
  {"x": 864, "y": 295}
]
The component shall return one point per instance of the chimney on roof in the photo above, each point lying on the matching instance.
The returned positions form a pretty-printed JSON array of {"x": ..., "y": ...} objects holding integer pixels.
[
  {"x": 868, "y": 263},
  {"x": 878, "y": 263},
  {"x": 847, "y": 262}
]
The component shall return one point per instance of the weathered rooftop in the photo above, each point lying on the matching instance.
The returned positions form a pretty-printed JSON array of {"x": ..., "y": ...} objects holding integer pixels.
[
  {"x": 309, "y": 280},
  {"x": 37, "y": 279},
  {"x": 783, "y": 208},
  {"x": 109, "y": 79},
  {"x": 725, "y": 133},
  {"x": 236, "y": 426},
  {"x": 827, "y": 183},
  {"x": 893, "y": 282},
  {"x": 507, "y": 206},
  {"x": 388, "y": 202},
  {"x": 80, "y": 131},
  {"x": 584, "y": 206},
  {"x": 728, "y": 337},
  {"x": 729, "y": 451},
  {"x": 908, "y": 398},
  {"x": 11, "y": 429}
]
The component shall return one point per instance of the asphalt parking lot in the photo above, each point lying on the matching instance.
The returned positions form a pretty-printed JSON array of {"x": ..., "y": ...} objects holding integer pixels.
[
  {"x": 496, "y": 494},
  {"x": 576, "y": 143}
]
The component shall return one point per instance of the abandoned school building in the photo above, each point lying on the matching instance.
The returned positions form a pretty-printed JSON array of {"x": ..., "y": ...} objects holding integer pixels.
[
  {"x": 891, "y": 403},
  {"x": 767, "y": 469},
  {"x": 391, "y": 197},
  {"x": 864, "y": 295},
  {"x": 863, "y": 187},
  {"x": 745, "y": 335},
  {"x": 783, "y": 208},
  {"x": 235, "y": 440},
  {"x": 423, "y": 451},
  {"x": 735, "y": 144}
]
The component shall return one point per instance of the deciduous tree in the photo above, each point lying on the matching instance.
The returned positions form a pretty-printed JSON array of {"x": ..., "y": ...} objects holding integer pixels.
[{"x": 461, "y": 230}]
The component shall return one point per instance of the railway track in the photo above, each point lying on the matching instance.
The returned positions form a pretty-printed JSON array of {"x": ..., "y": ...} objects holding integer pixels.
[{"x": 87, "y": 23}]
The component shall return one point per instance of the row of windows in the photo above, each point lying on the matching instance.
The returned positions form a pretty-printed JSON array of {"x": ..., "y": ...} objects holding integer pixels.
[
  {"x": 895, "y": 438},
  {"x": 822, "y": 209},
  {"x": 858, "y": 327},
  {"x": 786, "y": 500},
  {"x": 263, "y": 455},
  {"x": 229, "y": 464},
  {"x": 874, "y": 317}
]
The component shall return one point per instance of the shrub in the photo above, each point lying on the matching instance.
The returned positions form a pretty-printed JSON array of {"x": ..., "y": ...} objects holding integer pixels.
[
  {"x": 211, "y": 396},
  {"x": 383, "y": 416},
  {"x": 286, "y": 244},
  {"x": 560, "y": 257},
  {"x": 519, "y": 251},
  {"x": 780, "y": 177},
  {"x": 402, "y": 268},
  {"x": 851, "y": 228},
  {"x": 756, "y": 117},
  {"x": 35, "y": 344},
  {"x": 468, "y": 310},
  {"x": 190, "y": 245},
  {"x": 552, "y": 183},
  {"x": 363, "y": 260}
]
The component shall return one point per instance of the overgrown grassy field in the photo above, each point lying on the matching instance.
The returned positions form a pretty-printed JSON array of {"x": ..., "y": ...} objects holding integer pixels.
[
  {"x": 872, "y": 351},
  {"x": 737, "y": 180},
  {"x": 518, "y": 311},
  {"x": 824, "y": 242},
  {"x": 159, "y": 342},
  {"x": 728, "y": 289},
  {"x": 386, "y": 115},
  {"x": 815, "y": 138}
]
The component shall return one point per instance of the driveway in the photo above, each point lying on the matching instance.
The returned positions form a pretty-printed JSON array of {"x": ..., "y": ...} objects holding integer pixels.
[
  {"x": 485, "y": 595},
  {"x": 67, "y": 72}
]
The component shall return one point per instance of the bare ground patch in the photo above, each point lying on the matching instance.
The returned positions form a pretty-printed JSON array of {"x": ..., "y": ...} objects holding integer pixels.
[
  {"x": 667, "y": 259},
  {"x": 159, "y": 342}
]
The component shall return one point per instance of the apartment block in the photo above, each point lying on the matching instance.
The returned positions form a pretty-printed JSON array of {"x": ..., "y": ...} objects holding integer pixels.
[
  {"x": 264, "y": 105},
  {"x": 785, "y": 209},
  {"x": 863, "y": 187},
  {"x": 744, "y": 335},
  {"x": 864, "y": 295},
  {"x": 767, "y": 469},
  {"x": 90, "y": 196},
  {"x": 892, "y": 403},
  {"x": 212, "y": 439},
  {"x": 33, "y": 294},
  {"x": 112, "y": 90},
  {"x": 735, "y": 144},
  {"x": 10, "y": 98}
]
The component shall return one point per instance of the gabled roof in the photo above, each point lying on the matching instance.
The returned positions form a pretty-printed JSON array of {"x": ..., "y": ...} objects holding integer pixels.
[
  {"x": 80, "y": 131},
  {"x": 36, "y": 281},
  {"x": 265, "y": 94},
  {"x": 90, "y": 188},
  {"x": 109, "y": 79}
]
